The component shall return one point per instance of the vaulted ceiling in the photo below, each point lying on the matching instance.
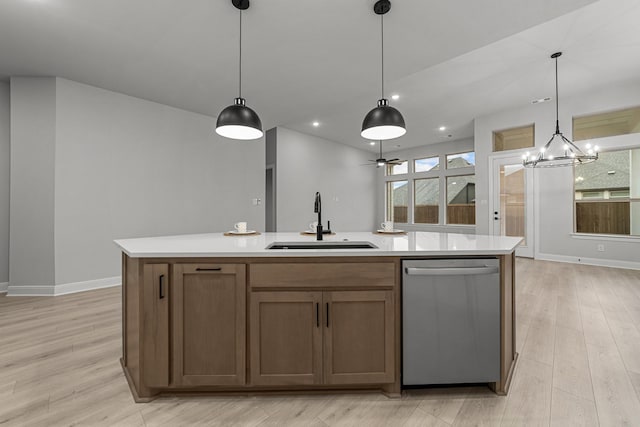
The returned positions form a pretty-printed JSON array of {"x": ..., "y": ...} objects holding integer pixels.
[{"x": 303, "y": 61}]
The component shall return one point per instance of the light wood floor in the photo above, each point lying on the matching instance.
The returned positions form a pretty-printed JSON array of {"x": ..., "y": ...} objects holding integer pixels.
[{"x": 578, "y": 334}]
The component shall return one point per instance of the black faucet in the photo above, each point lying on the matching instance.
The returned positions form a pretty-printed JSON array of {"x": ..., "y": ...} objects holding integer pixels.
[{"x": 317, "y": 208}]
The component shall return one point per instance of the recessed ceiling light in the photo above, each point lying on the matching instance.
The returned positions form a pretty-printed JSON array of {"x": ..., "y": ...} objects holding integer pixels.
[
  {"x": 441, "y": 128},
  {"x": 372, "y": 143},
  {"x": 538, "y": 101},
  {"x": 395, "y": 96},
  {"x": 316, "y": 124}
]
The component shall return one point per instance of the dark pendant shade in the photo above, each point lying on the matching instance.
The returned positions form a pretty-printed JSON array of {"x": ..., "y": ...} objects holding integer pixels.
[
  {"x": 239, "y": 122},
  {"x": 383, "y": 122}
]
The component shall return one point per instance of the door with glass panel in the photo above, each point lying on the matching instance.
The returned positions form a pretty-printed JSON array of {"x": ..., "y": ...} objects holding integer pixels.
[{"x": 512, "y": 202}]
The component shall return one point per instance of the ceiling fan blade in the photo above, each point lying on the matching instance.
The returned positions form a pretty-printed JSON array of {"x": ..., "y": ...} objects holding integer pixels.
[{"x": 394, "y": 160}]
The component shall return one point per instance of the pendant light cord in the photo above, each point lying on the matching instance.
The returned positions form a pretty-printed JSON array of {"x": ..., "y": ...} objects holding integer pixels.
[
  {"x": 557, "y": 120},
  {"x": 382, "y": 50},
  {"x": 240, "y": 60}
]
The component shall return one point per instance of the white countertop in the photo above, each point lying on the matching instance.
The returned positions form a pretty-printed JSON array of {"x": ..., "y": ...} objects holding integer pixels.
[{"x": 410, "y": 244}]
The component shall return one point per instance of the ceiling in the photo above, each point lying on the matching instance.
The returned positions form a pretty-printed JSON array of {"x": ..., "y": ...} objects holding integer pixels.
[{"x": 450, "y": 61}]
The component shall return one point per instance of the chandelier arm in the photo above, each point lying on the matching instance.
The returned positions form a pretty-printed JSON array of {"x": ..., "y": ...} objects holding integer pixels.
[
  {"x": 541, "y": 154},
  {"x": 571, "y": 144}
]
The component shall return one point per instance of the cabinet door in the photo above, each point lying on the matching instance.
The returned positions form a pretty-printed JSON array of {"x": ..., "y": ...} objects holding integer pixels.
[
  {"x": 286, "y": 338},
  {"x": 359, "y": 337},
  {"x": 155, "y": 325},
  {"x": 209, "y": 331}
]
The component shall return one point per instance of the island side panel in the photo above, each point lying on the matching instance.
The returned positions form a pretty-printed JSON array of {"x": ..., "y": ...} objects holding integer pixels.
[
  {"x": 131, "y": 317},
  {"x": 507, "y": 323},
  {"x": 395, "y": 389}
]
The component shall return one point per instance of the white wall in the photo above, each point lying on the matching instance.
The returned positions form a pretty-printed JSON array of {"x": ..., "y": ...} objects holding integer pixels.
[
  {"x": 126, "y": 167},
  {"x": 5, "y": 175},
  {"x": 306, "y": 164},
  {"x": 553, "y": 192},
  {"x": 31, "y": 239},
  {"x": 424, "y": 151}
]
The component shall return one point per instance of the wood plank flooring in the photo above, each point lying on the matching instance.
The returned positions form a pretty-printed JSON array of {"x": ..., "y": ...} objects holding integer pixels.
[{"x": 578, "y": 334}]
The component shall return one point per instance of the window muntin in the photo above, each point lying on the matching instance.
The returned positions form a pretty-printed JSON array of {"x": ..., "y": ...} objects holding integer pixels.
[
  {"x": 427, "y": 164},
  {"x": 461, "y": 199},
  {"x": 607, "y": 192},
  {"x": 397, "y": 201},
  {"x": 461, "y": 160},
  {"x": 426, "y": 200}
]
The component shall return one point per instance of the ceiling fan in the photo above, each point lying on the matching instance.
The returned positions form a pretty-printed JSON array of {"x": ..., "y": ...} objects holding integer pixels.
[{"x": 380, "y": 161}]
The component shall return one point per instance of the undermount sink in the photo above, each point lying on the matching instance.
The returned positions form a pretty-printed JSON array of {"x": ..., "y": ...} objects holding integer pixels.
[{"x": 321, "y": 245}]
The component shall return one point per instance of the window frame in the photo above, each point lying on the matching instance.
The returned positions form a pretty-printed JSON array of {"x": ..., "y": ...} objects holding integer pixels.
[
  {"x": 413, "y": 162},
  {"x": 441, "y": 173},
  {"x": 446, "y": 164},
  {"x": 446, "y": 196},
  {"x": 629, "y": 199}
]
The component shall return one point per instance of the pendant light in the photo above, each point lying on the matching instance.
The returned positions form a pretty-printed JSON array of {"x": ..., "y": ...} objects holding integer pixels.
[
  {"x": 384, "y": 121},
  {"x": 559, "y": 151},
  {"x": 238, "y": 121}
]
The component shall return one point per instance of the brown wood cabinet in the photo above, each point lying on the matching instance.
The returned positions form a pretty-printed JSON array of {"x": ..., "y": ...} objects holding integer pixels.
[
  {"x": 359, "y": 337},
  {"x": 244, "y": 325},
  {"x": 286, "y": 338},
  {"x": 331, "y": 337},
  {"x": 155, "y": 325},
  {"x": 208, "y": 334}
]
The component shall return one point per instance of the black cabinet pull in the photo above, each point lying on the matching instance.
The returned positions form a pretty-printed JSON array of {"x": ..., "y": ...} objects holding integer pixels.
[
  {"x": 317, "y": 315},
  {"x": 327, "y": 307},
  {"x": 161, "y": 286},
  {"x": 209, "y": 269}
]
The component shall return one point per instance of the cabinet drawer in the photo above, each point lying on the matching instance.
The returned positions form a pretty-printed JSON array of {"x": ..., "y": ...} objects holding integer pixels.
[{"x": 322, "y": 275}]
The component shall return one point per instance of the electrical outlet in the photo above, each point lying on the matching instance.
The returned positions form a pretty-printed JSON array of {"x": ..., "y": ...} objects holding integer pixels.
[{"x": 601, "y": 248}]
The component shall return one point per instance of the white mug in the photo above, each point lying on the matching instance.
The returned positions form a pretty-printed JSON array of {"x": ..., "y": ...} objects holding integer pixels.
[
  {"x": 313, "y": 226},
  {"x": 241, "y": 227},
  {"x": 387, "y": 226}
]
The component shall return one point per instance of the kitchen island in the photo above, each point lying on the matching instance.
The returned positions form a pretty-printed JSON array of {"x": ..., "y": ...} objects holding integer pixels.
[{"x": 209, "y": 313}]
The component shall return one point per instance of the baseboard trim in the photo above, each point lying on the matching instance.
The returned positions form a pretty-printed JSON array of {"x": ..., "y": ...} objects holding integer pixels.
[
  {"x": 589, "y": 261},
  {"x": 71, "y": 288},
  {"x": 31, "y": 291},
  {"x": 4, "y": 287},
  {"x": 63, "y": 289}
]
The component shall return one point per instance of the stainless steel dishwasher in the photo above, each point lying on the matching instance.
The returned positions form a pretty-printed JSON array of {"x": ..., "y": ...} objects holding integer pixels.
[{"x": 450, "y": 321}]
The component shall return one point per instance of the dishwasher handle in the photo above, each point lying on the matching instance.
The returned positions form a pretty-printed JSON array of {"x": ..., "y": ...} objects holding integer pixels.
[{"x": 451, "y": 271}]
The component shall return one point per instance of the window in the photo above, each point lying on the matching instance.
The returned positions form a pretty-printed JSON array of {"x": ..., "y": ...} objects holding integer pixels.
[
  {"x": 398, "y": 169},
  {"x": 513, "y": 139},
  {"x": 421, "y": 192},
  {"x": 426, "y": 200},
  {"x": 426, "y": 165},
  {"x": 620, "y": 122},
  {"x": 397, "y": 201},
  {"x": 461, "y": 199},
  {"x": 607, "y": 194},
  {"x": 461, "y": 160}
]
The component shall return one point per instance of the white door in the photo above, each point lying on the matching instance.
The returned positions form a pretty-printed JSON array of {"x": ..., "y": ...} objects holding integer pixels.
[{"x": 512, "y": 202}]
